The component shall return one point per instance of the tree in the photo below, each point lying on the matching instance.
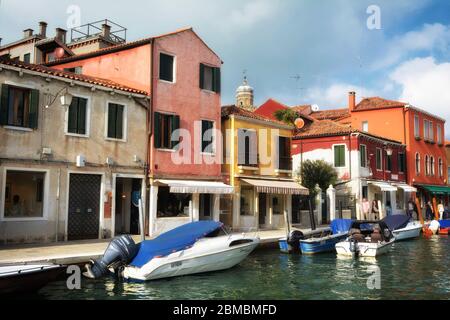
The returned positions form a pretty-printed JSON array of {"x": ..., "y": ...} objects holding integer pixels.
[
  {"x": 287, "y": 116},
  {"x": 317, "y": 172}
]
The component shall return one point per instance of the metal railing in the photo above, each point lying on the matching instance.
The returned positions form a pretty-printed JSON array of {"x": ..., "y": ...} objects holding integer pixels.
[{"x": 117, "y": 34}]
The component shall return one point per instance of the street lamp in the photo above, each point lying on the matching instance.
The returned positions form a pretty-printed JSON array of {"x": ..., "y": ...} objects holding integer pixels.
[{"x": 65, "y": 98}]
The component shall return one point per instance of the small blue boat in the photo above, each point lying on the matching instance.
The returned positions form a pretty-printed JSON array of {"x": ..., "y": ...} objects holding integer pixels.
[{"x": 327, "y": 241}]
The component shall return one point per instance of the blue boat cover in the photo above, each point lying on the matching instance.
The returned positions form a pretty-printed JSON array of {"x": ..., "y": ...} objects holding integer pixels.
[
  {"x": 395, "y": 222},
  {"x": 175, "y": 240},
  {"x": 341, "y": 225},
  {"x": 444, "y": 223}
]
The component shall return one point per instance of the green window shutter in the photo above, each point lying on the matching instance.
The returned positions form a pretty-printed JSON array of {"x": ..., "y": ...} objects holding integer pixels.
[
  {"x": 73, "y": 114},
  {"x": 339, "y": 156},
  {"x": 202, "y": 76},
  {"x": 217, "y": 80},
  {"x": 119, "y": 121},
  {"x": 34, "y": 109},
  {"x": 112, "y": 109},
  {"x": 81, "y": 117},
  {"x": 157, "y": 130},
  {"x": 336, "y": 156},
  {"x": 4, "y": 104},
  {"x": 175, "y": 125}
]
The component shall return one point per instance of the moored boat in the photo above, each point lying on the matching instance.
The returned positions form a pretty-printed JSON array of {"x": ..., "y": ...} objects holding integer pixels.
[
  {"x": 191, "y": 249},
  {"x": 367, "y": 239},
  {"x": 402, "y": 228}
]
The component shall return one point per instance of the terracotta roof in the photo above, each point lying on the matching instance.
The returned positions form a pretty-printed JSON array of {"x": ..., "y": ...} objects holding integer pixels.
[
  {"x": 303, "y": 109},
  {"x": 234, "y": 110},
  {"x": 374, "y": 103},
  {"x": 334, "y": 114},
  {"x": 72, "y": 76},
  {"x": 447, "y": 143},
  {"x": 121, "y": 47}
]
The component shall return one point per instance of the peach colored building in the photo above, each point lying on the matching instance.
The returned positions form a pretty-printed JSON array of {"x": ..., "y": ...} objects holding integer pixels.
[{"x": 182, "y": 75}]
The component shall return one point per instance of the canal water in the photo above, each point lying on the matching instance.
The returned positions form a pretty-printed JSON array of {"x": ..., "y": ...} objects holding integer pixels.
[{"x": 417, "y": 269}]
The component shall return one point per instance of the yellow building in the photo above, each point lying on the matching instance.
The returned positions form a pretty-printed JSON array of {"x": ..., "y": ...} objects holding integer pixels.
[{"x": 258, "y": 164}]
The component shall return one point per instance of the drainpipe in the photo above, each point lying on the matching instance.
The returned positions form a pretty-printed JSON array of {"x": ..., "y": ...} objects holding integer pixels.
[{"x": 58, "y": 194}]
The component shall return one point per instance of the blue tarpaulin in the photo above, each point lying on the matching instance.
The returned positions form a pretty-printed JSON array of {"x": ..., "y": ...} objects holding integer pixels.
[
  {"x": 341, "y": 225},
  {"x": 173, "y": 241},
  {"x": 396, "y": 222},
  {"x": 444, "y": 223}
]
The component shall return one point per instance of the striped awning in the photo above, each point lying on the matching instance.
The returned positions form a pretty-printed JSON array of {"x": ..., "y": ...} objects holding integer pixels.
[
  {"x": 406, "y": 188},
  {"x": 193, "y": 186},
  {"x": 384, "y": 186},
  {"x": 277, "y": 187}
]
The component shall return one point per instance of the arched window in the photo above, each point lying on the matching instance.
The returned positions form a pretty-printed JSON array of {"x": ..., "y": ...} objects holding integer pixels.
[
  {"x": 417, "y": 163},
  {"x": 427, "y": 165},
  {"x": 433, "y": 167},
  {"x": 441, "y": 168}
]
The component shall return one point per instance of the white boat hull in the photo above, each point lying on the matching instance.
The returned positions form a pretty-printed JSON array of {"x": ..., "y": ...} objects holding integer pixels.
[
  {"x": 411, "y": 231},
  {"x": 207, "y": 255},
  {"x": 363, "y": 249}
]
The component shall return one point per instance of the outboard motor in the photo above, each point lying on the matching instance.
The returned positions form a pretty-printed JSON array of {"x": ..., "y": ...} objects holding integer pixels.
[
  {"x": 294, "y": 239},
  {"x": 121, "y": 251}
]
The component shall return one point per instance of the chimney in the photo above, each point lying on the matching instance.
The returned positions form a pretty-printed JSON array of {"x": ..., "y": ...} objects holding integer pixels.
[
  {"x": 61, "y": 35},
  {"x": 43, "y": 29},
  {"x": 106, "y": 30},
  {"x": 352, "y": 100},
  {"x": 27, "y": 33}
]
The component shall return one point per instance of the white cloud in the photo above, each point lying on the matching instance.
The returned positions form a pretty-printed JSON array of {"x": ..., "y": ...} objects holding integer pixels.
[
  {"x": 425, "y": 84},
  {"x": 252, "y": 13}
]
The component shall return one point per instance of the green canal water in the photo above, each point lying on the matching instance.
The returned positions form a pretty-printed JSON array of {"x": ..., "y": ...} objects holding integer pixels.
[{"x": 416, "y": 269}]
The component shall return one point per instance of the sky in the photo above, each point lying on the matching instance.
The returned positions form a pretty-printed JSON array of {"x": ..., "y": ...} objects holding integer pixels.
[{"x": 295, "y": 51}]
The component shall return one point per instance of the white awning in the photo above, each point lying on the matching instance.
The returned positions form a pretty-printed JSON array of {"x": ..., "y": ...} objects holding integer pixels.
[
  {"x": 384, "y": 186},
  {"x": 192, "y": 186},
  {"x": 277, "y": 187},
  {"x": 406, "y": 188}
]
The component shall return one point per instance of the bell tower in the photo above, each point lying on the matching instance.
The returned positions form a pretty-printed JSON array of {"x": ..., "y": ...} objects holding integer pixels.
[{"x": 245, "y": 96}]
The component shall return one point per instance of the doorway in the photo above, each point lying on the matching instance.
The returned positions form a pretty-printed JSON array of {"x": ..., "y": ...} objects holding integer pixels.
[
  {"x": 262, "y": 209},
  {"x": 205, "y": 207},
  {"x": 128, "y": 193}
]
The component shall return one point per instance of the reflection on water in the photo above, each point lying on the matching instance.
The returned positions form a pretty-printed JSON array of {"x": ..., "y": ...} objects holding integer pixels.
[{"x": 412, "y": 270}]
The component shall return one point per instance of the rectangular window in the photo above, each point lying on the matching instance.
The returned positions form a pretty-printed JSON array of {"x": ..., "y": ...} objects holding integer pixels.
[
  {"x": 19, "y": 107},
  {"x": 27, "y": 58},
  {"x": 166, "y": 67},
  {"x": 25, "y": 194},
  {"x": 379, "y": 159},
  {"x": 426, "y": 130},
  {"x": 401, "y": 163},
  {"x": 439, "y": 134},
  {"x": 210, "y": 78},
  {"x": 365, "y": 126},
  {"x": 416, "y": 126},
  {"x": 431, "y": 132},
  {"x": 77, "y": 116},
  {"x": 285, "y": 159},
  {"x": 247, "y": 200},
  {"x": 389, "y": 163},
  {"x": 172, "y": 205},
  {"x": 116, "y": 119},
  {"x": 247, "y": 148},
  {"x": 207, "y": 136},
  {"x": 76, "y": 70},
  {"x": 363, "y": 155},
  {"x": 166, "y": 135},
  {"x": 339, "y": 156}
]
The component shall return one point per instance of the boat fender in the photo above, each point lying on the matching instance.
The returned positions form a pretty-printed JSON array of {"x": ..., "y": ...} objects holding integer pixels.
[{"x": 121, "y": 251}]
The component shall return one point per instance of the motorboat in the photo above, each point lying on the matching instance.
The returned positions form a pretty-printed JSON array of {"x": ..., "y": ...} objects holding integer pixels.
[
  {"x": 367, "y": 239},
  {"x": 27, "y": 278},
  {"x": 444, "y": 227},
  {"x": 291, "y": 243},
  {"x": 193, "y": 248},
  {"x": 327, "y": 241},
  {"x": 402, "y": 228}
]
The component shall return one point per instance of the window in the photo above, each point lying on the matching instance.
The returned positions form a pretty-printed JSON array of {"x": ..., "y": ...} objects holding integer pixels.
[
  {"x": 441, "y": 168},
  {"x": 19, "y": 107},
  {"x": 166, "y": 67},
  {"x": 379, "y": 159},
  {"x": 388, "y": 162},
  {"x": 77, "y": 117},
  {"x": 165, "y": 134},
  {"x": 401, "y": 163},
  {"x": 417, "y": 163},
  {"x": 172, "y": 205},
  {"x": 247, "y": 148},
  {"x": 363, "y": 155},
  {"x": 427, "y": 165},
  {"x": 431, "y": 131},
  {"x": 207, "y": 136},
  {"x": 339, "y": 156},
  {"x": 439, "y": 134},
  {"x": 285, "y": 160},
  {"x": 116, "y": 121},
  {"x": 76, "y": 70},
  {"x": 433, "y": 166},
  {"x": 365, "y": 126},
  {"x": 426, "y": 130},
  {"x": 209, "y": 78},
  {"x": 416, "y": 126},
  {"x": 50, "y": 57},
  {"x": 277, "y": 204},
  {"x": 27, "y": 58},
  {"x": 25, "y": 194},
  {"x": 247, "y": 200}
]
